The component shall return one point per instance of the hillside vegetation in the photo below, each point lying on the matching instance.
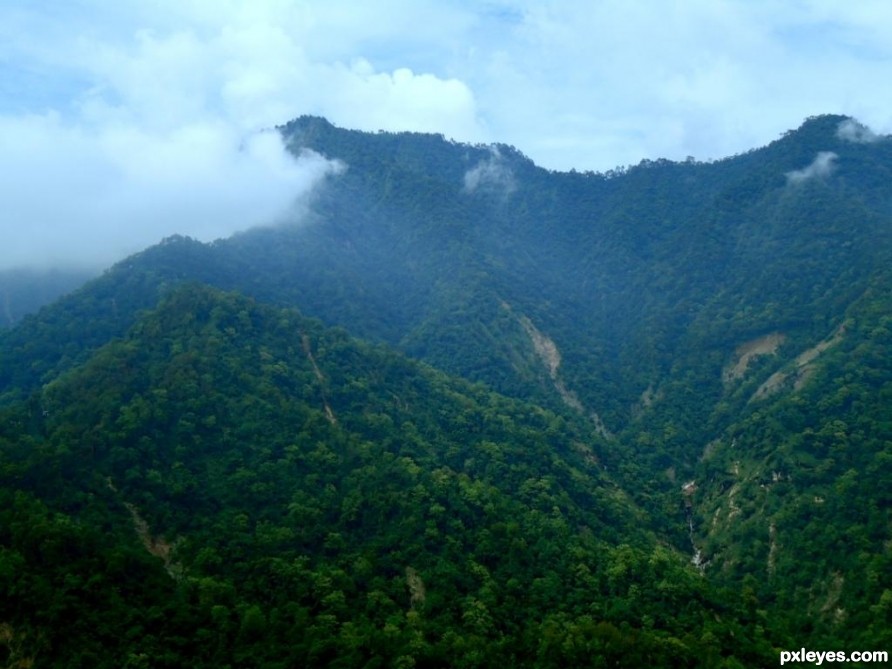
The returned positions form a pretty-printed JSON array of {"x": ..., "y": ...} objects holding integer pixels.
[
  {"x": 465, "y": 411},
  {"x": 234, "y": 484}
]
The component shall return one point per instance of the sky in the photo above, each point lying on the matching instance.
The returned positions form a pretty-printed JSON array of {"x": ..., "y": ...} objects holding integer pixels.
[{"x": 125, "y": 122}]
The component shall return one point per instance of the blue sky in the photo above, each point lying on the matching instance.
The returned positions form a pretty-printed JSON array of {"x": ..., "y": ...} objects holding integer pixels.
[{"x": 123, "y": 122}]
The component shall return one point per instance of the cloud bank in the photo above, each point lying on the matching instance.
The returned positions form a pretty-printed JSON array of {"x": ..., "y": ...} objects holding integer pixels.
[
  {"x": 600, "y": 85},
  {"x": 139, "y": 116},
  {"x": 121, "y": 124},
  {"x": 76, "y": 196}
]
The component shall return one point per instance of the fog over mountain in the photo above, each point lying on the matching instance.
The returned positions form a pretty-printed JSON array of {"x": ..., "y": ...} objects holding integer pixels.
[
  {"x": 109, "y": 193},
  {"x": 120, "y": 125}
]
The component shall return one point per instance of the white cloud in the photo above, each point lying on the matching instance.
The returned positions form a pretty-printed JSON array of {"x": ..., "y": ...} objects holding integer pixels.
[
  {"x": 135, "y": 111},
  {"x": 157, "y": 119},
  {"x": 401, "y": 100},
  {"x": 491, "y": 174},
  {"x": 594, "y": 85},
  {"x": 852, "y": 131},
  {"x": 820, "y": 167},
  {"x": 84, "y": 197}
]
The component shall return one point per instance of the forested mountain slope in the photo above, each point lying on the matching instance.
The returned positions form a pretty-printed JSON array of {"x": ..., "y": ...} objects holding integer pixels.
[
  {"x": 631, "y": 275},
  {"x": 233, "y": 485},
  {"x": 463, "y": 256},
  {"x": 698, "y": 356},
  {"x": 795, "y": 497}
]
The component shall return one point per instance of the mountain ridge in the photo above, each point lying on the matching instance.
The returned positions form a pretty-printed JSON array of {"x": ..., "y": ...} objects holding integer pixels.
[{"x": 619, "y": 306}]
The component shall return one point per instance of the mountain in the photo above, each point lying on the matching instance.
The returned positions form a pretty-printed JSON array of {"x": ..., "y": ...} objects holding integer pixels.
[
  {"x": 234, "y": 482},
  {"x": 692, "y": 357},
  {"x": 460, "y": 255},
  {"x": 796, "y": 491}
]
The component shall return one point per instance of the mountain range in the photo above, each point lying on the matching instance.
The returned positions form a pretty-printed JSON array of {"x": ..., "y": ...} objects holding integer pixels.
[{"x": 465, "y": 411}]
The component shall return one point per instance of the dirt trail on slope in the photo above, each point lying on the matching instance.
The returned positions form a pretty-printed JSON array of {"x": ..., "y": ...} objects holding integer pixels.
[
  {"x": 155, "y": 545},
  {"x": 305, "y": 341},
  {"x": 547, "y": 351}
]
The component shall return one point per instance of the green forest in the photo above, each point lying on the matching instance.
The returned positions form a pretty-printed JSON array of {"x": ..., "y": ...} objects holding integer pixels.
[{"x": 467, "y": 412}]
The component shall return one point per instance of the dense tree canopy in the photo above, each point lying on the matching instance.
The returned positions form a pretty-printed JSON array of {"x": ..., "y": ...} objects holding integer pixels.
[{"x": 564, "y": 387}]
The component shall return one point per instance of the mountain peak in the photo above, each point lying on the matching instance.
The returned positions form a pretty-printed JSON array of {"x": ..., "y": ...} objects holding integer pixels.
[{"x": 828, "y": 129}]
